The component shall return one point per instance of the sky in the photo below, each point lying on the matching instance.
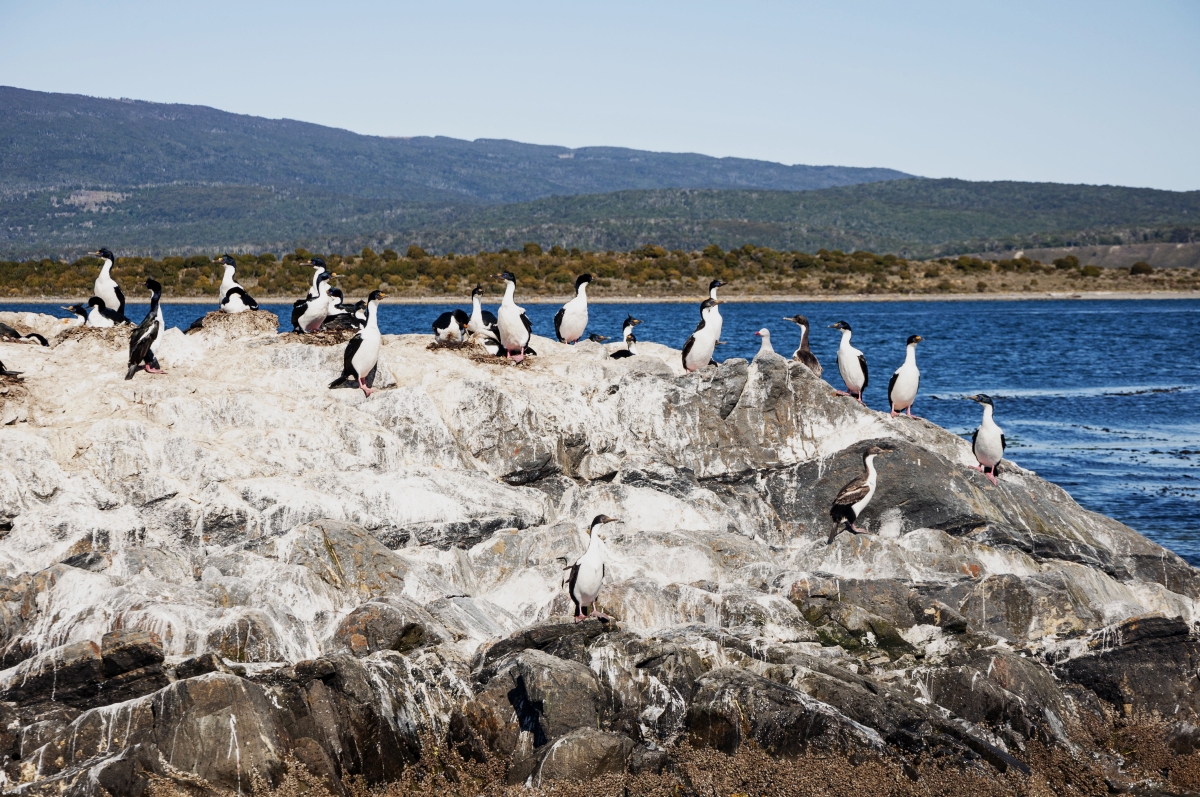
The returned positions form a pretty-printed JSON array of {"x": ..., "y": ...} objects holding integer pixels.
[{"x": 1072, "y": 92}]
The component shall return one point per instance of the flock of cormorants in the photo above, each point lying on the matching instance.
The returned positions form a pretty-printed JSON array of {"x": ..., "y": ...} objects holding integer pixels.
[{"x": 509, "y": 333}]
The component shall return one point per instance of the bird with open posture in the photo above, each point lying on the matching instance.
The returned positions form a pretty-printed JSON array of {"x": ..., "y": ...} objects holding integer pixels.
[
  {"x": 803, "y": 354},
  {"x": 362, "y": 351},
  {"x": 570, "y": 321},
  {"x": 988, "y": 442},
  {"x": 586, "y": 576},
  {"x": 515, "y": 329},
  {"x": 698, "y": 350},
  {"x": 902, "y": 389},
  {"x": 234, "y": 298},
  {"x": 107, "y": 288},
  {"x": 851, "y": 364},
  {"x": 450, "y": 327},
  {"x": 141, "y": 342},
  {"x": 852, "y": 499}
]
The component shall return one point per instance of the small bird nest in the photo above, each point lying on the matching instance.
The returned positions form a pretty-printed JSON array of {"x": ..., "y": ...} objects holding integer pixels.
[
  {"x": 449, "y": 345},
  {"x": 324, "y": 337},
  {"x": 117, "y": 336},
  {"x": 481, "y": 356}
]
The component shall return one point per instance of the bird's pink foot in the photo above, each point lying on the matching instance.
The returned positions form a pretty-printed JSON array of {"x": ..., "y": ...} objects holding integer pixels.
[
  {"x": 856, "y": 529},
  {"x": 516, "y": 358},
  {"x": 992, "y": 479},
  {"x": 894, "y": 413},
  {"x": 579, "y": 618},
  {"x": 362, "y": 383},
  {"x": 151, "y": 370},
  {"x": 841, "y": 392}
]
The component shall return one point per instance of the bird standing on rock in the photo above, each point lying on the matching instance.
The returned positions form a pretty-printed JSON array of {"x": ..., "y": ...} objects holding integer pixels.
[
  {"x": 141, "y": 342},
  {"x": 107, "y": 288},
  {"x": 765, "y": 347},
  {"x": 586, "y": 578},
  {"x": 234, "y": 298},
  {"x": 512, "y": 323},
  {"x": 803, "y": 354},
  {"x": 100, "y": 317},
  {"x": 698, "y": 350},
  {"x": 571, "y": 321},
  {"x": 362, "y": 351},
  {"x": 482, "y": 322},
  {"x": 318, "y": 267},
  {"x": 988, "y": 442},
  {"x": 851, "y": 364},
  {"x": 309, "y": 313},
  {"x": 853, "y": 498},
  {"x": 902, "y": 389}
]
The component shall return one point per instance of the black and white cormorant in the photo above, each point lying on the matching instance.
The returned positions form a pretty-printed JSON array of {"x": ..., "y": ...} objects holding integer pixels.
[
  {"x": 764, "y": 346},
  {"x": 234, "y": 298},
  {"x": 988, "y": 442},
  {"x": 352, "y": 317},
  {"x": 107, "y": 288},
  {"x": 80, "y": 312},
  {"x": 100, "y": 317},
  {"x": 902, "y": 388},
  {"x": 512, "y": 323},
  {"x": 362, "y": 351},
  {"x": 451, "y": 327},
  {"x": 627, "y": 327},
  {"x": 141, "y": 341},
  {"x": 803, "y": 354},
  {"x": 714, "y": 320},
  {"x": 596, "y": 337},
  {"x": 482, "y": 322},
  {"x": 309, "y": 313},
  {"x": 586, "y": 576},
  {"x": 853, "y": 498},
  {"x": 698, "y": 350},
  {"x": 8, "y": 332},
  {"x": 571, "y": 320},
  {"x": 851, "y": 364},
  {"x": 318, "y": 267},
  {"x": 630, "y": 349}
]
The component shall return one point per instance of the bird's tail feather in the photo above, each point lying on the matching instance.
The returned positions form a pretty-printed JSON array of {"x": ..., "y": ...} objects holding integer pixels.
[{"x": 133, "y": 369}]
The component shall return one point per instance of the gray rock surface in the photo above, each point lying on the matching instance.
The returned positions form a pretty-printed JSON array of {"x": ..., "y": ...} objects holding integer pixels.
[{"x": 205, "y": 572}]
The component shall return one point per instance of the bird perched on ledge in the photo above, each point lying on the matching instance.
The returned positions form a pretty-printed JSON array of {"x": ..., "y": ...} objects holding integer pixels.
[
  {"x": 513, "y": 325},
  {"x": 853, "y": 498},
  {"x": 107, "y": 288},
  {"x": 698, "y": 350},
  {"x": 586, "y": 578},
  {"x": 851, "y": 364},
  {"x": 988, "y": 442},
  {"x": 803, "y": 354},
  {"x": 362, "y": 352},
  {"x": 902, "y": 389},
  {"x": 234, "y": 298},
  {"x": 141, "y": 342},
  {"x": 571, "y": 321}
]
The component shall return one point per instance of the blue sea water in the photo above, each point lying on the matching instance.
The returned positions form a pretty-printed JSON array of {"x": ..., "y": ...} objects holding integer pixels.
[{"x": 1100, "y": 397}]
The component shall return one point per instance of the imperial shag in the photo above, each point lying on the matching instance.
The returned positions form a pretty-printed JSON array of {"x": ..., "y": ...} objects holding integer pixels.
[
  {"x": 482, "y": 322},
  {"x": 512, "y": 323},
  {"x": 100, "y": 317},
  {"x": 902, "y": 389},
  {"x": 141, "y": 342},
  {"x": 586, "y": 576},
  {"x": 698, "y": 350},
  {"x": 80, "y": 313},
  {"x": 8, "y": 332},
  {"x": 571, "y": 321},
  {"x": 851, "y": 364},
  {"x": 234, "y": 298},
  {"x": 853, "y": 498},
  {"x": 451, "y": 327},
  {"x": 309, "y": 313},
  {"x": 362, "y": 351},
  {"x": 988, "y": 442},
  {"x": 803, "y": 354},
  {"x": 107, "y": 288}
]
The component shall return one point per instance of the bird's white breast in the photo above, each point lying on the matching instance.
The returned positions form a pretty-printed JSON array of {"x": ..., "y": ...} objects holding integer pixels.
[
  {"x": 988, "y": 448},
  {"x": 591, "y": 575},
  {"x": 905, "y": 389},
  {"x": 575, "y": 318},
  {"x": 849, "y": 366},
  {"x": 512, "y": 329}
]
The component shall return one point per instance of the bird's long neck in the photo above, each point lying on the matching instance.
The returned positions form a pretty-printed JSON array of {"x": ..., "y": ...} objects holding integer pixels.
[
  {"x": 106, "y": 269},
  {"x": 987, "y": 413},
  {"x": 510, "y": 289},
  {"x": 766, "y": 344},
  {"x": 154, "y": 297},
  {"x": 373, "y": 315},
  {"x": 803, "y": 338},
  {"x": 869, "y": 462},
  {"x": 712, "y": 294},
  {"x": 476, "y": 307},
  {"x": 846, "y": 338},
  {"x": 910, "y": 356},
  {"x": 228, "y": 278},
  {"x": 595, "y": 544},
  {"x": 581, "y": 291}
]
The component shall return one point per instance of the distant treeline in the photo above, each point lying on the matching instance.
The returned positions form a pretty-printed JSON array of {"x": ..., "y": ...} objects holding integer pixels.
[{"x": 648, "y": 270}]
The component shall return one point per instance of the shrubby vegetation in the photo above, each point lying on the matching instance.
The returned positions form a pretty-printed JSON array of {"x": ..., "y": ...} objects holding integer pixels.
[{"x": 647, "y": 271}]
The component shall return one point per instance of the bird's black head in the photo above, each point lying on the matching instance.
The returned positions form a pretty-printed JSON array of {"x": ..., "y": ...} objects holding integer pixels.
[
  {"x": 914, "y": 339},
  {"x": 462, "y": 318},
  {"x": 316, "y": 262},
  {"x": 225, "y": 260},
  {"x": 840, "y": 325},
  {"x": 507, "y": 276},
  {"x": 596, "y": 337},
  {"x": 708, "y": 304},
  {"x": 876, "y": 451},
  {"x": 374, "y": 297},
  {"x": 630, "y": 321},
  {"x": 600, "y": 520},
  {"x": 96, "y": 301},
  {"x": 582, "y": 279},
  {"x": 476, "y": 291},
  {"x": 323, "y": 277},
  {"x": 337, "y": 292},
  {"x": 712, "y": 286},
  {"x": 798, "y": 319},
  {"x": 982, "y": 399},
  {"x": 153, "y": 286},
  {"x": 77, "y": 309},
  {"x": 105, "y": 253}
]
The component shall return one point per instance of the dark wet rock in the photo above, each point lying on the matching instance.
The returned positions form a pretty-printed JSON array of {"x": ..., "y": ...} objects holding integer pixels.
[
  {"x": 1128, "y": 666},
  {"x": 870, "y": 629},
  {"x": 393, "y": 624},
  {"x": 200, "y": 665},
  {"x": 647, "y": 683},
  {"x": 345, "y": 556},
  {"x": 1183, "y": 738},
  {"x": 564, "y": 640},
  {"x": 246, "y": 636},
  {"x": 70, "y": 674},
  {"x": 1000, "y": 605},
  {"x": 130, "y": 649},
  {"x": 884, "y": 597},
  {"x": 733, "y": 706},
  {"x": 582, "y": 754}
]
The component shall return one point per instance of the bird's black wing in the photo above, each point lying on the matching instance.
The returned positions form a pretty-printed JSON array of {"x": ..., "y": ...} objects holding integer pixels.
[
  {"x": 120, "y": 299},
  {"x": 853, "y": 492},
  {"x": 38, "y": 338},
  {"x": 348, "y": 362},
  {"x": 489, "y": 319},
  {"x": 622, "y": 354},
  {"x": 687, "y": 347},
  {"x": 441, "y": 322},
  {"x": 811, "y": 362},
  {"x": 528, "y": 325},
  {"x": 8, "y": 332},
  {"x": 862, "y": 360},
  {"x": 558, "y": 317},
  {"x": 140, "y": 342},
  {"x": 569, "y": 583},
  {"x": 974, "y": 439},
  {"x": 891, "y": 384},
  {"x": 298, "y": 309},
  {"x": 1003, "y": 443}
]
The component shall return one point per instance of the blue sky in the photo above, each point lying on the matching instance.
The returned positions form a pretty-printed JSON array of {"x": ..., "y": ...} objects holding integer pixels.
[{"x": 1080, "y": 92}]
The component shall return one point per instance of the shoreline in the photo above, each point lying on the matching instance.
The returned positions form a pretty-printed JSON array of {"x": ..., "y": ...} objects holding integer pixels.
[{"x": 739, "y": 299}]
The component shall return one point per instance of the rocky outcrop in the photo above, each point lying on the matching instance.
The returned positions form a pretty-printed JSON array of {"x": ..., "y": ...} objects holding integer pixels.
[{"x": 213, "y": 573}]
